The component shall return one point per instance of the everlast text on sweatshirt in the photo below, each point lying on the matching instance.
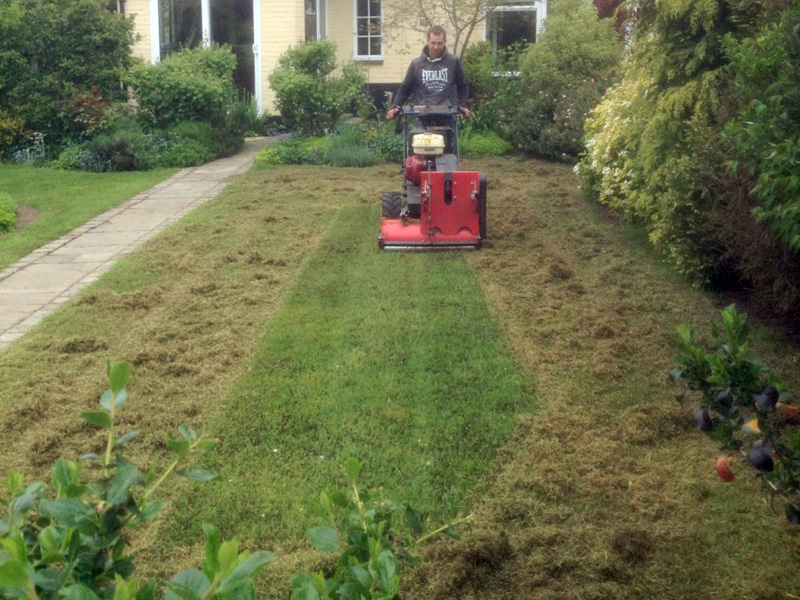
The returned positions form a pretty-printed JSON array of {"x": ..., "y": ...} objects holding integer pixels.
[{"x": 434, "y": 82}]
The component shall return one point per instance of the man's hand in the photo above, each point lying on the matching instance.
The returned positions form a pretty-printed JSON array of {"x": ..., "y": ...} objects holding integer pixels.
[
  {"x": 392, "y": 113},
  {"x": 465, "y": 112}
]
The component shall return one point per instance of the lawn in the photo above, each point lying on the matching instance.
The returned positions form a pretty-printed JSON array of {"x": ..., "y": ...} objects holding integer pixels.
[
  {"x": 525, "y": 383},
  {"x": 63, "y": 200}
]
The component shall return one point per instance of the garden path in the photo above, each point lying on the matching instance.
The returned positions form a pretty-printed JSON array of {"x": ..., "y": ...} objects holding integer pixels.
[{"x": 40, "y": 282}]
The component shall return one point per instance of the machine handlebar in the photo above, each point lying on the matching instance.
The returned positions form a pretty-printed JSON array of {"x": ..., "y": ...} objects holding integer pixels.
[{"x": 422, "y": 110}]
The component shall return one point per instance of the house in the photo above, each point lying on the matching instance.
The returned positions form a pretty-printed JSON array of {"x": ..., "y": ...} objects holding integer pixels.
[{"x": 259, "y": 31}]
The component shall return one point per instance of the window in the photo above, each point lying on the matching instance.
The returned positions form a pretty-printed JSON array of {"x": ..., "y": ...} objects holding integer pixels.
[
  {"x": 180, "y": 25},
  {"x": 369, "y": 36},
  {"x": 512, "y": 23},
  {"x": 316, "y": 27}
]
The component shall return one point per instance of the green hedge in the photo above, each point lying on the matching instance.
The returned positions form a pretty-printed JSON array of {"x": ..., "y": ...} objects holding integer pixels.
[{"x": 190, "y": 85}]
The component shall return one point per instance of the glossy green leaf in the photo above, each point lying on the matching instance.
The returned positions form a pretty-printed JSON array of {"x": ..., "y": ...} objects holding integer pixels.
[
  {"x": 48, "y": 579},
  {"x": 324, "y": 538},
  {"x": 23, "y": 504},
  {"x": 247, "y": 569},
  {"x": 70, "y": 512},
  {"x": 361, "y": 575},
  {"x": 147, "y": 590},
  {"x": 124, "y": 590},
  {"x": 197, "y": 474},
  {"x": 126, "y": 477},
  {"x": 151, "y": 510},
  {"x": 126, "y": 438},
  {"x": 326, "y": 502},
  {"x": 352, "y": 469},
  {"x": 179, "y": 447},
  {"x": 352, "y": 590},
  {"x": 65, "y": 474},
  {"x": 414, "y": 519},
  {"x": 304, "y": 588},
  {"x": 228, "y": 553},
  {"x": 97, "y": 417},
  {"x": 213, "y": 542},
  {"x": 118, "y": 376},
  {"x": 106, "y": 399},
  {"x": 13, "y": 575},
  {"x": 187, "y": 433},
  {"x": 387, "y": 571},
  {"x": 14, "y": 483},
  {"x": 79, "y": 592},
  {"x": 120, "y": 399},
  {"x": 189, "y": 584}
]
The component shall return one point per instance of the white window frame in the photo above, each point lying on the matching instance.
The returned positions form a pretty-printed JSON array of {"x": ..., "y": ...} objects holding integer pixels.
[
  {"x": 321, "y": 20},
  {"x": 539, "y": 6},
  {"x": 366, "y": 57}
]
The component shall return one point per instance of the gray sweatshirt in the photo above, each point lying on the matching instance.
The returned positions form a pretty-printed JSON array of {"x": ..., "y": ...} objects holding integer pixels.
[{"x": 434, "y": 81}]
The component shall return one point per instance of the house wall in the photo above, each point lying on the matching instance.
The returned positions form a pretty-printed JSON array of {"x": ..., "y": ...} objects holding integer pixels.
[
  {"x": 283, "y": 25},
  {"x": 140, "y": 10}
]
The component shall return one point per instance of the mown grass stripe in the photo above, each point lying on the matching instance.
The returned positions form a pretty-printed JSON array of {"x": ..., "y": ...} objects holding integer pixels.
[{"x": 391, "y": 358}]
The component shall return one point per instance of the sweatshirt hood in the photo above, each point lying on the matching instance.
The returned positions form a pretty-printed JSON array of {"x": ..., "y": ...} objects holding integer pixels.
[{"x": 426, "y": 55}]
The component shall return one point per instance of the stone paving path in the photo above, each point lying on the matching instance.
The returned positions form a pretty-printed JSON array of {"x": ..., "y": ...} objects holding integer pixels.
[{"x": 40, "y": 282}]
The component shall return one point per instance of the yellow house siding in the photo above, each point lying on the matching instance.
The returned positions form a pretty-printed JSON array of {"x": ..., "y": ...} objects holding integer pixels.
[
  {"x": 282, "y": 25},
  {"x": 399, "y": 46},
  {"x": 140, "y": 10}
]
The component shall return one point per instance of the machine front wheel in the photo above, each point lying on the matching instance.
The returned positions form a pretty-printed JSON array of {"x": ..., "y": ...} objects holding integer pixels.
[{"x": 392, "y": 205}]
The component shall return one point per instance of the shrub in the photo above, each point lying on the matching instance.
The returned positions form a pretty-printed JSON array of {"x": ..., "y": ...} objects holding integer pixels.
[
  {"x": 72, "y": 542},
  {"x": 32, "y": 153},
  {"x": 342, "y": 152},
  {"x": 495, "y": 89},
  {"x": 743, "y": 407},
  {"x": 11, "y": 131},
  {"x": 294, "y": 151},
  {"x": 309, "y": 98},
  {"x": 128, "y": 148},
  {"x": 74, "y": 157},
  {"x": 89, "y": 111},
  {"x": 190, "y": 85},
  {"x": 766, "y": 134},
  {"x": 563, "y": 76},
  {"x": 655, "y": 149},
  {"x": 388, "y": 143},
  {"x": 185, "y": 153},
  {"x": 54, "y": 50},
  {"x": 8, "y": 213},
  {"x": 484, "y": 143}
]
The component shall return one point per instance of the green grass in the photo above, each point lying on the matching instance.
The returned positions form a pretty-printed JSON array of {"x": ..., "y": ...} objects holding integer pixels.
[
  {"x": 270, "y": 316},
  {"x": 385, "y": 357},
  {"x": 65, "y": 200}
]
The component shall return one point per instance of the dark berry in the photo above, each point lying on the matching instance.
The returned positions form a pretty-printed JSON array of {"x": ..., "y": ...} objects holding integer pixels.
[
  {"x": 702, "y": 419},
  {"x": 761, "y": 457},
  {"x": 766, "y": 399}
]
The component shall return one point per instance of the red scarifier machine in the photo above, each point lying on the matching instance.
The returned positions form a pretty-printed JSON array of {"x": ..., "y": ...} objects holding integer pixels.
[{"x": 440, "y": 207}]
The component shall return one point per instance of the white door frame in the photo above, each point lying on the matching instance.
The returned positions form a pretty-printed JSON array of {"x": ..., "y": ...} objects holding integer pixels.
[
  {"x": 205, "y": 11},
  {"x": 258, "y": 83}
]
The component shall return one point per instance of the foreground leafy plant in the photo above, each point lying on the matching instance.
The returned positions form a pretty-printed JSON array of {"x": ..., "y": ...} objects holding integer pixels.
[
  {"x": 361, "y": 532},
  {"x": 743, "y": 407},
  {"x": 70, "y": 541}
]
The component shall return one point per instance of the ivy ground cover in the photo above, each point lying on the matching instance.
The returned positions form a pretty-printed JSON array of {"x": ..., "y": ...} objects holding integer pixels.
[{"x": 525, "y": 383}]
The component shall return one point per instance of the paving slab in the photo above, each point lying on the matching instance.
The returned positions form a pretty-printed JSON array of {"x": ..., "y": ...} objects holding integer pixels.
[{"x": 45, "y": 279}]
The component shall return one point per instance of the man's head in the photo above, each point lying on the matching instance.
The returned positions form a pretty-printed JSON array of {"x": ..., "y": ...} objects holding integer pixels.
[{"x": 437, "y": 37}]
